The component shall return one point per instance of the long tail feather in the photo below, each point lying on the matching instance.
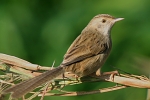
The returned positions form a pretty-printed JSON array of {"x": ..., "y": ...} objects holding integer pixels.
[{"x": 29, "y": 85}]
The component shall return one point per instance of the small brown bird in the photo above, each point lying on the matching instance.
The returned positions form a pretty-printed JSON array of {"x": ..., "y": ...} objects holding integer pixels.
[{"x": 85, "y": 56}]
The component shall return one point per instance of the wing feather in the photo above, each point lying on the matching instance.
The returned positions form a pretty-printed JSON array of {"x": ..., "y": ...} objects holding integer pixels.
[{"x": 86, "y": 45}]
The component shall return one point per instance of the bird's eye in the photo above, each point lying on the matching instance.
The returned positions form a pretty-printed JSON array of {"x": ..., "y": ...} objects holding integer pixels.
[{"x": 103, "y": 20}]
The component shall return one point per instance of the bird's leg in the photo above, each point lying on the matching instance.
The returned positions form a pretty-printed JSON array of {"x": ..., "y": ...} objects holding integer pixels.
[{"x": 96, "y": 74}]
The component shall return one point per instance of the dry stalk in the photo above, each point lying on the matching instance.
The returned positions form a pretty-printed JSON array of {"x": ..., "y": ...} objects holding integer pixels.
[{"x": 23, "y": 70}]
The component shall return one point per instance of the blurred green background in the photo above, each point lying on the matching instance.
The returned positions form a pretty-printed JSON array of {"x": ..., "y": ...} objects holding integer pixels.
[{"x": 40, "y": 31}]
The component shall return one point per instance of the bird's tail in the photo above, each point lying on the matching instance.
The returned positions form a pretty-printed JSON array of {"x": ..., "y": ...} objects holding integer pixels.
[{"x": 27, "y": 86}]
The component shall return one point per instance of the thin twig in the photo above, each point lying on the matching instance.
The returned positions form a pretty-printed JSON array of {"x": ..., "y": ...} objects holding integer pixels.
[{"x": 85, "y": 92}]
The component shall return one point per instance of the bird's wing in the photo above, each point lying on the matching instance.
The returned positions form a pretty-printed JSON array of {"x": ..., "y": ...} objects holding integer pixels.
[{"x": 86, "y": 45}]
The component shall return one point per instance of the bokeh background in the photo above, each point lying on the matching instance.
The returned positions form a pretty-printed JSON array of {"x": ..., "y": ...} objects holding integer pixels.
[{"x": 40, "y": 31}]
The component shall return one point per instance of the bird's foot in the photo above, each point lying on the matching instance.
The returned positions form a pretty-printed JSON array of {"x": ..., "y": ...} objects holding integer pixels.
[{"x": 112, "y": 74}]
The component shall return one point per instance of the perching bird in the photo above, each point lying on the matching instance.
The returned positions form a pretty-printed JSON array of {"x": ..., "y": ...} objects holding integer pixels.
[{"x": 85, "y": 56}]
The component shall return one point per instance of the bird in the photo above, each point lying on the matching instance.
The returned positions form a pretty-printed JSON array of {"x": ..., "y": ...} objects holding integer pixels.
[{"x": 85, "y": 56}]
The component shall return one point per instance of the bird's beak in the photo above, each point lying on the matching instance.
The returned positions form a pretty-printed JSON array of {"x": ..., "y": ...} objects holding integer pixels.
[{"x": 118, "y": 19}]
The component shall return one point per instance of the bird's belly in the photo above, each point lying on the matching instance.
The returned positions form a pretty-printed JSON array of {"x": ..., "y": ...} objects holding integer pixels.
[{"x": 87, "y": 66}]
